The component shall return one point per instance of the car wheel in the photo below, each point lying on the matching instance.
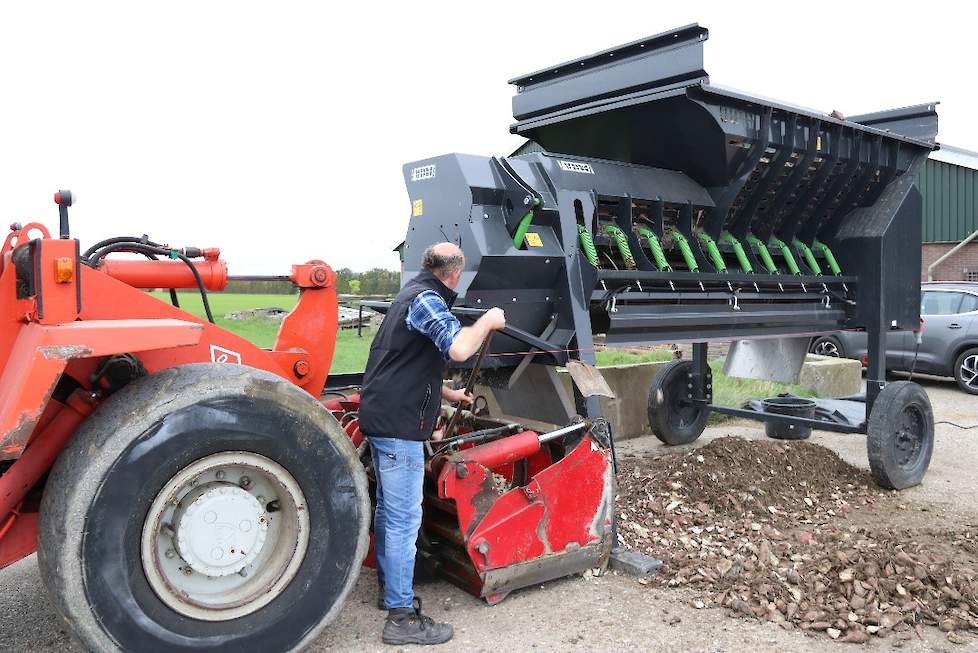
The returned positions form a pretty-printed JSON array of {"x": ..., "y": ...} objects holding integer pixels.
[
  {"x": 828, "y": 346},
  {"x": 966, "y": 370}
]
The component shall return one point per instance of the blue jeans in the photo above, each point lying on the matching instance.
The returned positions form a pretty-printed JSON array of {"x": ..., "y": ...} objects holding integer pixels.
[{"x": 399, "y": 467}]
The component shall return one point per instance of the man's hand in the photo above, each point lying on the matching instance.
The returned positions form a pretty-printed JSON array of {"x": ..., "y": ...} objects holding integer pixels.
[
  {"x": 437, "y": 434},
  {"x": 495, "y": 319},
  {"x": 457, "y": 395}
]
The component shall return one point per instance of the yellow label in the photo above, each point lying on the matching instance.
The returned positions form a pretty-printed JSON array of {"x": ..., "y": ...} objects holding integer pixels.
[
  {"x": 417, "y": 208},
  {"x": 818, "y": 142},
  {"x": 533, "y": 239}
]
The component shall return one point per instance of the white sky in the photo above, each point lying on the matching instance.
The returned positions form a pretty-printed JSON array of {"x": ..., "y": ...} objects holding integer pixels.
[{"x": 277, "y": 130}]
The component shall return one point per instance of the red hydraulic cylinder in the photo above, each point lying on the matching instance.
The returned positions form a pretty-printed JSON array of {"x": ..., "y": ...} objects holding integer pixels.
[
  {"x": 166, "y": 274},
  {"x": 503, "y": 451}
]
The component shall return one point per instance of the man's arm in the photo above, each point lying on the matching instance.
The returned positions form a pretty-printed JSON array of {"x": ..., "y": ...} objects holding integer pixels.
[
  {"x": 469, "y": 339},
  {"x": 429, "y": 315}
]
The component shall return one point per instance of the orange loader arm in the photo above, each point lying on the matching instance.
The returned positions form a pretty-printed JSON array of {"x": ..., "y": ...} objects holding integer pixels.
[{"x": 67, "y": 327}]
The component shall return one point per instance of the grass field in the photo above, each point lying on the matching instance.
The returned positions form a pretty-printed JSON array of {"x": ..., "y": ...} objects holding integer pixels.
[{"x": 351, "y": 350}]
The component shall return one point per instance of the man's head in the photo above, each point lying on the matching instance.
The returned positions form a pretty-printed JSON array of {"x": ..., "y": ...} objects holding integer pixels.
[{"x": 445, "y": 261}]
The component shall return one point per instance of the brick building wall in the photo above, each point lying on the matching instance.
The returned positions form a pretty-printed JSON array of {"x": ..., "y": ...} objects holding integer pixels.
[{"x": 955, "y": 268}]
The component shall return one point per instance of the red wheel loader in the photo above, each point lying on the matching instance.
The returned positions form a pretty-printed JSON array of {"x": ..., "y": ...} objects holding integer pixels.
[{"x": 185, "y": 489}]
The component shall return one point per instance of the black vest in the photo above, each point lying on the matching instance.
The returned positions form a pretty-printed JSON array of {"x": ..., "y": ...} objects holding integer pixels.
[{"x": 401, "y": 395}]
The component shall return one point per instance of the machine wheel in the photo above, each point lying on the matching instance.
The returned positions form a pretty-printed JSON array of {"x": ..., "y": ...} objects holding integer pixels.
[
  {"x": 966, "y": 370},
  {"x": 205, "y": 507},
  {"x": 900, "y": 437},
  {"x": 828, "y": 346},
  {"x": 672, "y": 419}
]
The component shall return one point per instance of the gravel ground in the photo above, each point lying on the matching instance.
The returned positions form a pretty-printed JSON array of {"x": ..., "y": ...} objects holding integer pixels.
[{"x": 608, "y": 613}]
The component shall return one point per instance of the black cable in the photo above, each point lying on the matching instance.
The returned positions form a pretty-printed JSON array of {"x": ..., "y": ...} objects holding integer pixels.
[
  {"x": 200, "y": 286},
  {"x": 913, "y": 364},
  {"x": 118, "y": 239},
  {"x": 963, "y": 428}
]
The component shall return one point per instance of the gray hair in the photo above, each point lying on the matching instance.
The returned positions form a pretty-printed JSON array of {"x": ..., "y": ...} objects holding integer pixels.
[{"x": 441, "y": 264}]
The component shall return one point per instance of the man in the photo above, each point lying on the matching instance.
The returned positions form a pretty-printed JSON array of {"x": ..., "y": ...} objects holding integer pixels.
[{"x": 400, "y": 403}]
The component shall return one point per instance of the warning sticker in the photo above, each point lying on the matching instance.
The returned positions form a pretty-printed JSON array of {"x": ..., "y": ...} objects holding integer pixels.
[
  {"x": 417, "y": 208},
  {"x": 533, "y": 239}
]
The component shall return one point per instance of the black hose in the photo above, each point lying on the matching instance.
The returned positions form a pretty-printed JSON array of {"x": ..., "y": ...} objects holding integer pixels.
[{"x": 118, "y": 239}]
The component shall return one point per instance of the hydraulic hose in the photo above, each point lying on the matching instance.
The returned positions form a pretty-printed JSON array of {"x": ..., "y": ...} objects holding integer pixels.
[
  {"x": 712, "y": 251},
  {"x": 789, "y": 259},
  {"x": 621, "y": 242},
  {"x": 685, "y": 250},
  {"x": 819, "y": 246},
  {"x": 762, "y": 253},
  {"x": 738, "y": 249},
  {"x": 115, "y": 241},
  {"x": 587, "y": 245},
  {"x": 806, "y": 254},
  {"x": 655, "y": 247}
]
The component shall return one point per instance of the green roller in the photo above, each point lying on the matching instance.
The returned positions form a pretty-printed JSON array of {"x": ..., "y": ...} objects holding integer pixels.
[
  {"x": 587, "y": 244},
  {"x": 806, "y": 254},
  {"x": 656, "y": 248},
  {"x": 685, "y": 250},
  {"x": 819, "y": 246},
  {"x": 789, "y": 258},
  {"x": 738, "y": 249},
  {"x": 712, "y": 251},
  {"x": 621, "y": 242},
  {"x": 762, "y": 253}
]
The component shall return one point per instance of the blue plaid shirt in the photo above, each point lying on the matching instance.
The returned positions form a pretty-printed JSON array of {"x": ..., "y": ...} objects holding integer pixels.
[{"x": 429, "y": 314}]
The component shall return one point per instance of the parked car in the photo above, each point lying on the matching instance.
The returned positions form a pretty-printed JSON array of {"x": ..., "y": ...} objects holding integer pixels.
[{"x": 948, "y": 345}]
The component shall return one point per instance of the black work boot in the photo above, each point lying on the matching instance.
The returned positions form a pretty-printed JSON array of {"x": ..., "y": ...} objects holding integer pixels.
[{"x": 409, "y": 626}]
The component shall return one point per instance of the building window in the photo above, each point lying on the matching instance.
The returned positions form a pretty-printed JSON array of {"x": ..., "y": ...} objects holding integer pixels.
[{"x": 971, "y": 276}]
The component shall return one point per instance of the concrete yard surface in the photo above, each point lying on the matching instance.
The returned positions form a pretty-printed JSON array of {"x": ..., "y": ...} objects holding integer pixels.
[{"x": 610, "y": 613}]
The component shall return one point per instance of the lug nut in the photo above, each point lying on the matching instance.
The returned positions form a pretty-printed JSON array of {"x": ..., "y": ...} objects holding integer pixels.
[
  {"x": 220, "y": 474},
  {"x": 301, "y": 368},
  {"x": 170, "y": 553},
  {"x": 243, "y": 573},
  {"x": 245, "y": 482}
]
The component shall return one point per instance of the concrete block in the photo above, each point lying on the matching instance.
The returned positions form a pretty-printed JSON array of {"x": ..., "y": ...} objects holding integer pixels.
[{"x": 831, "y": 377}]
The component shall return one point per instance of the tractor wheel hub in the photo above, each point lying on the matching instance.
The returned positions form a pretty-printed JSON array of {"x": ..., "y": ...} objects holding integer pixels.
[{"x": 221, "y": 529}]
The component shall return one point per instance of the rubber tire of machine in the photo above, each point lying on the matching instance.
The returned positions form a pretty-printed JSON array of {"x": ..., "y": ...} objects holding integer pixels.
[
  {"x": 103, "y": 483},
  {"x": 670, "y": 421},
  {"x": 958, "y": 362},
  {"x": 901, "y": 405}
]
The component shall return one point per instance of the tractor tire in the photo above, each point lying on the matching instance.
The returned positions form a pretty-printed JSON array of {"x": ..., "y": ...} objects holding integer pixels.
[
  {"x": 145, "y": 506},
  {"x": 900, "y": 435},
  {"x": 671, "y": 419},
  {"x": 966, "y": 370}
]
